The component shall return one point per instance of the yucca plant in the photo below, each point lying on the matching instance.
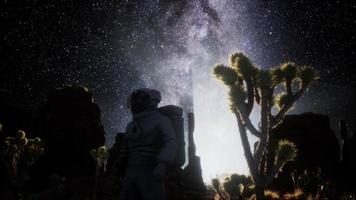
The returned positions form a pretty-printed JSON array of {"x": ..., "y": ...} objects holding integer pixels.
[
  {"x": 237, "y": 186},
  {"x": 248, "y": 86},
  {"x": 100, "y": 155},
  {"x": 18, "y": 146},
  {"x": 216, "y": 185}
]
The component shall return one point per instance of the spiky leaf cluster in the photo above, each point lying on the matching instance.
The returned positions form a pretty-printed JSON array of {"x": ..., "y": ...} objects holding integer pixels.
[
  {"x": 215, "y": 183},
  {"x": 242, "y": 64},
  {"x": 286, "y": 151},
  {"x": 289, "y": 70},
  {"x": 226, "y": 74},
  {"x": 100, "y": 154},
  {"x": 230, "y": 188},
  {"x": 277, "y": 75},
  {"x": 20, "y": 134},
  {"x": 264, "y": 79},
  {"x": 17, "y": 143},
  {"x": 237, "y": 94},
  {"x": 240, "y": 179},
  {"x": 281, "y": 100},
  {"x": 306, "y": 75},
  {"x": 237, "y": 185},
  {"x": 230, "y": 77},
  {"x": 35, "y": 146}
]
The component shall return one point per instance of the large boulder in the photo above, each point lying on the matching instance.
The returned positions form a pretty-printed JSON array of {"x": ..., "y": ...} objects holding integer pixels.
[
  {"x": 317, "y": 144},
  {"x": 70, "y": 126}
]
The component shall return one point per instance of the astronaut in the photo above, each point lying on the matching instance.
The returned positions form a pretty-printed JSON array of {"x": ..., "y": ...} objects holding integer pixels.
[{"x": 151, "y": 146}]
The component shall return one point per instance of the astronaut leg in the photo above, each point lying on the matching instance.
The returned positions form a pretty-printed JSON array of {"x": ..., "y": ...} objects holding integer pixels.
[{"x": 150, "y": 188}]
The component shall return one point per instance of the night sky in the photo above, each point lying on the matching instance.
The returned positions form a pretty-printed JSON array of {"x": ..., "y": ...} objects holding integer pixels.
[{"x": 112, "y": 47}]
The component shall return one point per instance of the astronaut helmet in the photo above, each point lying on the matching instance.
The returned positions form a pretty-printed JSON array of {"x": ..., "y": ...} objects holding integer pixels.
[{"x": 143, "y": 99}]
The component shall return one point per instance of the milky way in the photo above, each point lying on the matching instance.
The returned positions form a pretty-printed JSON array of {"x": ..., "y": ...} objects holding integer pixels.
[{"x": 113, "y": 47}]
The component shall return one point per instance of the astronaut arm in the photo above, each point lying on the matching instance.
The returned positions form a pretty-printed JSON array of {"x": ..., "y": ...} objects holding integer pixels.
[{"x": 167, "y": 153}]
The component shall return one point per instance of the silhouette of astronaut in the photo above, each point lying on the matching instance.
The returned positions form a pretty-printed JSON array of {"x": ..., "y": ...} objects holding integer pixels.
[{"x": 151, "y": 146}]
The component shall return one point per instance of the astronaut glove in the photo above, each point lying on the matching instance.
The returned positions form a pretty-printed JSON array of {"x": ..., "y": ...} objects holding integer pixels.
[{"x": 159, "y": 172}]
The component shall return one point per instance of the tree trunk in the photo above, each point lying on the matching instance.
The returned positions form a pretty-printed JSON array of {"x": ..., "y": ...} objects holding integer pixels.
[
  {"x": 259, "y": 192},
  {"x": 265, "y": 130},
  {"x": 247, "y": 150},
  {"x": 252, "y": 164}
]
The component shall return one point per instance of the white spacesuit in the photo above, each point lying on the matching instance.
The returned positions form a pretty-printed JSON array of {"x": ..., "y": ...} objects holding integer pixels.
[{"x": 151, "y": 147}]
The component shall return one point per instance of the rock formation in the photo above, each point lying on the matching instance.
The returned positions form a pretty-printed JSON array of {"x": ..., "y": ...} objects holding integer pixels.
[
  {"x": 192, "y": 173},
  {"x": 70, "y": 126},
  {"x": 316, "y": 142},
  {"x": 348, "y": 161}
]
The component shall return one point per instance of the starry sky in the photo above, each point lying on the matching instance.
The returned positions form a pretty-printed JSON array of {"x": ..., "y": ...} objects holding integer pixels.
[{"x": 113, "y": 47}]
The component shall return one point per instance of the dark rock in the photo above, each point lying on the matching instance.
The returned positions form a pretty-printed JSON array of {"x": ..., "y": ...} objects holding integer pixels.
[
  {"x": 316, "y": 142},
  {"x": 12, "y": 119},
  {"x": 188, "y": 183},
  {"x": 70, "y": 126},
  {"x": 192, "y": 174},
  {"x": 348, "y": 163}
]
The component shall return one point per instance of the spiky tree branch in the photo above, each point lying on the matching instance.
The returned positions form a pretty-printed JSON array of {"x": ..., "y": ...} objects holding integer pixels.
[
  {"x": 286, "y": 107},
  {"x": 247, "y": 149},
  {"x": 244, "y": 67},
  {"x": 305, "y": 75},
  {"x": 286, "y": 151},
  {"x": 247, "y": 122}
]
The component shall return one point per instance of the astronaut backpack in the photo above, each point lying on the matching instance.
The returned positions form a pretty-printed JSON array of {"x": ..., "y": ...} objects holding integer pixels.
[{"x": 175, "y": 113}]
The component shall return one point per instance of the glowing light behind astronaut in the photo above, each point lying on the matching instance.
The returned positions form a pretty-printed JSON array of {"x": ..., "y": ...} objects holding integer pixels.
[{"x": 216, "y": 134}]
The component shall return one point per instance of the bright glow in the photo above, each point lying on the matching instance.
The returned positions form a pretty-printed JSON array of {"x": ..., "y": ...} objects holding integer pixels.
[
  {"x": 206, "y": 41},
  {"x": 216, "y": 134}
]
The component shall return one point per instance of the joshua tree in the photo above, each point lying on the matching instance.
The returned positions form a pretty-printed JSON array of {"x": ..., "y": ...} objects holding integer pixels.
[
  {"x": 21, "y": 147},
  {"x": 248, "y": 86}
]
